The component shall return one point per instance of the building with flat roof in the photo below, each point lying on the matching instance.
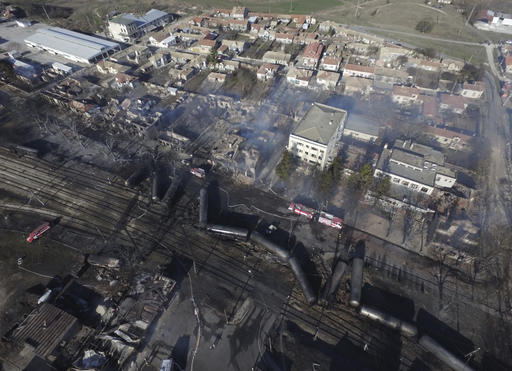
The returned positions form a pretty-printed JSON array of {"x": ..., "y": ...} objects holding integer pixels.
[
  {"x": 315, "y": 139},
  {"x": 72, "y": 45},
  {"x": 361, "y": 128},
  {"x": 418, "y": 167}
]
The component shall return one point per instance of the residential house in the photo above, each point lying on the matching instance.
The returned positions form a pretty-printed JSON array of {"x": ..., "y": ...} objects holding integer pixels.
[
  {"x": 256, "y": 28},
  {"x": 327, "y": 79},
  {"x": 299, "y": 77},
  {"x": 311, "y": 55},
  {"x": 199, "y": 21},
  {"x": 305, "y": 38},
  {"x": 473, "y": 91},
  {"x": 405, "y": 95},
  {"x": 204, "y": 46},
  {"x": 284, "y": 38},
  {"x": 357, "y": 85},
  {"x": 331, "y": 63},
  {"x": 386, "y": 78},
  {"x": 429, "y": 107},
  {"x": 356, "y": 70},
  {"x": 162, "y": 39},
  {"x": 267, "y": 71},
  {"x": 361, "y": 128},
  {"x": 316, "y": 138},
  {"x": 508, "y": 64},
  {"x": 453, "y": 103},
  {"x": 124, "y": 80},
  {"x": 239, "y": 12},
  {"x": 238, "y": 25},
  {"x": 277, "y": 58},
  {"x": 449, "y": 138},
  {"x": 235, "y": 45},
  {"x": 106, "y": 66},
  {"x": 452, "y": 65},
  {"x": 228, "y": 66},
  {"x": 216, "y": 77},
  {"x": 388, "y": 54}
]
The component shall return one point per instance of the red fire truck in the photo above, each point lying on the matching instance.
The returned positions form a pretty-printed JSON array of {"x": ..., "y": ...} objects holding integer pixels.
[
  {"x": 36, "y": 233},
  {"x": 300, "y": 209},
  {"x": 330, "y": 220}
]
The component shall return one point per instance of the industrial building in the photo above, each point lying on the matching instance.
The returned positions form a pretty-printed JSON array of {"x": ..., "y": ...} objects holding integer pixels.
[
  {"x": 72, "y": 45},
  {"x": 315, "y": 138}
]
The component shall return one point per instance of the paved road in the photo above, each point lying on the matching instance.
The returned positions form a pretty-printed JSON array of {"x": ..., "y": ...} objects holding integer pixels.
[
  {"x": 496, "y": 130},
  {"x": 408, "y": 34}
]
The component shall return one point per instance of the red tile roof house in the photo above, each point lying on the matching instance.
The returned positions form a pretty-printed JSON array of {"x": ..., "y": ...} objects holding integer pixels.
[
  {"x": 284, "y": 38},
  {"x": 267, "y": 71},
  {"x": 405, "y": 95},
  {"x": 331, "y": 64},
  {"x": 508, "y": 64},
  {"x": 356, "y": 70},
  {"x": 454, "y": 103},
  {"x": 429, "y": 107},
  {"x": 474, "y": 91},
  {"x": 311, "y": 55}
]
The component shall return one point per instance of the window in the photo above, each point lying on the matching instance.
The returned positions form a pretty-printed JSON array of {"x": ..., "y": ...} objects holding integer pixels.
[
  {"x": 423, "y": 189},
  {"x": 405, "y": 183},
  {"x": 313, "y": 149},
  {"x": 396, "y": 180},
  {"x": 414, "y": 186},
  {"x": 307, "y": 153}
]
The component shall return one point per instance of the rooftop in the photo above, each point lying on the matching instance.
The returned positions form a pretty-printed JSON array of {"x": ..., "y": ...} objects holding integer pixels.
[
  {"x": 44, "y": 329},
  {"x": 70, "y": 42},
  {"x": 362, "y": 124},
  {"x": 453, "y": 101},
  {"x": 426, "y": 177},
  {"x": 359, "y": 68},
  {"x": 405, "y": 91},
  {"x": 320, "y": 123},
  {"x": 427, "y": 152},
  {"x": 313, "y": 50}
]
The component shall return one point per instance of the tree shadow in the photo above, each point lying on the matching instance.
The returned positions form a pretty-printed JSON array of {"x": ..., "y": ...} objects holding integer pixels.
[{"x": 396, "y": 305}]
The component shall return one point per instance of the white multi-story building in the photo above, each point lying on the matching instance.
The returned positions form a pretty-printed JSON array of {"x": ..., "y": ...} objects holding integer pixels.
[
  {"x": 415, "y": 166},
  {"x": 315, "y": 139},
  {"x": 126, "y": 27}
]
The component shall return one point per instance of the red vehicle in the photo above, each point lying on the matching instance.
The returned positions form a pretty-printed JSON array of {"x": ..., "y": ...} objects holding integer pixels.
[
  {"x": 198, "y": 172},
  {"x": 300, "y": 209},
  {"x": 330, "y": 220},
  {"x": 36, "y": 233}
]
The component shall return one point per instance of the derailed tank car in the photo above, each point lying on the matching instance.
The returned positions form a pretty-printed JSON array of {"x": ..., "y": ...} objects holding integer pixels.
[
  {"x": 444, "y": 355},
  {"x": 279, "y": 251},
  {"x": 303, "y": 280},
  {"x": 228, "y": 231},
  {"x": 203, "y": 207},
  {"x": 406, "y": 328},
  {"x": 356, "y": 283}
]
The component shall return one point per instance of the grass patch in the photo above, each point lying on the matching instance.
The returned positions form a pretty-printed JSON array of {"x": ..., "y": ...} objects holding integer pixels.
[{"x": 273, "y": 6}]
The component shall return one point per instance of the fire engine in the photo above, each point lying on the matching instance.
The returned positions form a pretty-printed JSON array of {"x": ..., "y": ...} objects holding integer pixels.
[
  {"x": 330, "y": 220},
  {"x": 300, "y": 209},
  {"x": 36, "y": 233},
  {"x": 198, "y": 172}
]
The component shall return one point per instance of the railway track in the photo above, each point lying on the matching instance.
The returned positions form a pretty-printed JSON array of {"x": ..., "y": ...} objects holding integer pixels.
[{"x": 92, "y": 205}]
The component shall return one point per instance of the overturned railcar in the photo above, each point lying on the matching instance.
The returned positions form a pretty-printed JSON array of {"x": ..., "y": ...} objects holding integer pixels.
[
  {"x": 356, "y": 283},
  {"x": 228, "y": 231},
  {"x": 444, "y": 355},
  {"x": 334, "y": 280},
  {"x": 279, "y": 251},
  {"x": 203, "y": 207},
  {"x": 406, "y": 328}
]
